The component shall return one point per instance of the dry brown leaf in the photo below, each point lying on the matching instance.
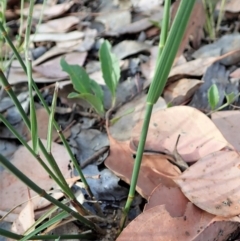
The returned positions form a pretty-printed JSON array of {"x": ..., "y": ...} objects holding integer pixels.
[
  {"x": 171, "y": 197},
  {"x": 194, "y": 29},
  {"x": 25, "y": 219},
  {"x": 212, "y": 183},
  {"x": 199, "y": 135},
  {"x": 228, "y": 123},
  {"x": 52, "y": 68},
  {"x": 156, "y": 224},
  {"x": 151, "y": 170},
  {"x": 11, "y": 187},
  {"x": 60, "y": 25},
  {"x": 181, "y": 91}
]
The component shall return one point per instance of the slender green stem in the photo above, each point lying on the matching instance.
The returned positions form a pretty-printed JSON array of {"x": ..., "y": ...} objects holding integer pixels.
[
  {"x": 33, "y": 118},
  {"x": 65, "y": 143},
  {"x": 165, "y": 27},
  {"x": 51, "y": 118},
  {"x": 88, "y": 236},
  {"x": 137, "y": 163},
  {"x": 159, "y": 81},
  {"x": 24, "y": 143},
  {"x": 8, "y": 165}
]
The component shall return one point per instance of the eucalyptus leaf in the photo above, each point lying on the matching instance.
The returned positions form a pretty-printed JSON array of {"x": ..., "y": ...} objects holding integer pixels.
[
  {"x": 78, "y": 75},
  {"x": 110, "y": 67},
  {"x": 213, "y": 96}
]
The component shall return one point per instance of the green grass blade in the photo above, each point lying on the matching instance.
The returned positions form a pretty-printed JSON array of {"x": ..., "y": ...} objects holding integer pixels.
[
  {"x": 51, "y": 119},
  {"x": 169, "y": 52},
  {"x": 33, "y": 118},
  {"x": 159, "y": 80},
  {"x": 165, "y": 27},
  {"x": 8, "y": 165},
  {"x": 50, "y": 222},
  {"x": 110, "y": 67}
]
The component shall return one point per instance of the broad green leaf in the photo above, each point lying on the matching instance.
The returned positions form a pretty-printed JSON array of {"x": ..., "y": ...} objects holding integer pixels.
[
  {"x": 213, "y": 96},
  {"x": 96, "y": 89},
  {"x": 94, "y": 101},
  {"x": 230, "y": 98},
  {"x": 110, "y": 67},
  {"x": 78, "y": 75},
  {"x": 73, "y": 95}
]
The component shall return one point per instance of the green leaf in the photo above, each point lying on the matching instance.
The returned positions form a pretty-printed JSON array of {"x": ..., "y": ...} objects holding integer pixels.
[
  {"x": 97, "y": 90},
  {"x": 230, "y": 98},
  {"x": 73, "y": 95},
  {"x": 213, "y": 96},
  {"x": 94, "y": 101},
  {"x": 78, "y": 75},
  {"x": 110, "y": 67}
]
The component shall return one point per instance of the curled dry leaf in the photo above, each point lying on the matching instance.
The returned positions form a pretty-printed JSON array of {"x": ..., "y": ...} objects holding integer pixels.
[
  {"x": 212, "y": 183},
  {"x": 156, "y": 224},
  {"x": 199, "y": 135},
  {"x": 152, "y": 170}
]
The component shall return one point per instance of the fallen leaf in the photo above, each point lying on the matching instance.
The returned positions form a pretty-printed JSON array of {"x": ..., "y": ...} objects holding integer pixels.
[
  {"x": 227, "y": 123},
  {"x": 56, "y": 37},
  {"x": 145, "y": 5},
  {"x": 235, "y": 74},
  {"x": 25, "y": 219},
  {"x": 230, "y": 6},
  {"x": 157, "y": 224},
  {"x": 129, "y": 47},
  {"x": 129, "y": 114},
  {"x": 153, "y": 170},
  {"x": 181, "y": 91},
  {"x": 23, "y": 160},
  {"x": 171, "y": 197},
  {"x": 42, "y": 120},
  {"x": 212, "y": 183},
  {"x": 199, "y": 135},
  {"x": 224, "y": 45},
  {"x": 60, "y": 25},
  {"x": 114, "y": 20},
  {"x": 53, "y": 69}
]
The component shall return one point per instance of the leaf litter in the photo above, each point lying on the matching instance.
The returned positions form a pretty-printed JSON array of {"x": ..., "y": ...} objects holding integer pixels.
[{"x": 187, "y": 205}]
